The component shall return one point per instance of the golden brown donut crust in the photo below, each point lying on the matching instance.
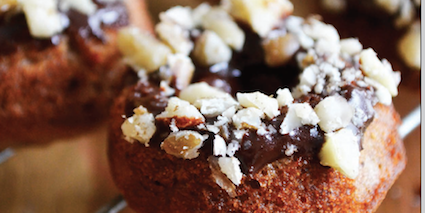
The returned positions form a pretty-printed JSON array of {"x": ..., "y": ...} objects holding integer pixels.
[
  {"x": 62, "y": 89},
  {"x": 153, "y": 181}
]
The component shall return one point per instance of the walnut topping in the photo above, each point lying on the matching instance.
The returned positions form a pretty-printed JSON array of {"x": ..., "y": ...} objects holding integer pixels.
[
  {"x": 219, "y": 146},
  {"x": 178, "y": 15},
  {"x": 209, "y": 100},
  {"x": 261, "y": 15},
  {"x": 341, "y": 152},
  {"x": 182, "y": 112},
  {"x": 298, "y": 114},
  {"x": 266, "y": 104},
  {"x": 230, "y": 167},
  {"x": 86, "y": 7},
  {"x": 284, "y": 97},
  {"x": 42, "y": 17},
  {"x": 201, "y": 90},
  {"x": 279, "y": 50},
  {"x": 249, "y": 118},
  {"x": 175, "y": 37},
  {"x": 140, "y": 126},
  {"x": 210, "y": 49},
  {"x": 142, "y": 50},
  {"x": 183, "y": 144},
  {"x": 376, "y": 70},
  {"x": 182, "y": 68},
  {"x": 334, "y": 113},
  {"x": 409, "y": 46},
  {"x": 219, "y": 21},
  {"x": 351, "y": 46}
]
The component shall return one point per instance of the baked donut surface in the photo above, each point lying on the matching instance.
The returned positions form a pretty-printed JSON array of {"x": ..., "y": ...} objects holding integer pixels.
[
  {"x": 235, "y": 138},
  {"x": 56, "y": 86}
]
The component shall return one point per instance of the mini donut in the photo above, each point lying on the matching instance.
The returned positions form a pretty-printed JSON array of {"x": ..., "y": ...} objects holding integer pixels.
[
  {"x": 243, "y": 107},
  {"x": 59, "y": 65},
  {"x": 392, "y": 28}
]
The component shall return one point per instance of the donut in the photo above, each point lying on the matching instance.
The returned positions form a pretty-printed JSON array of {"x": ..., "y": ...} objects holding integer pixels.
[
  {"x": 59, "y": 65},
  {"x": 392, "y": 28},
  {"x": 243, "y": 107}
]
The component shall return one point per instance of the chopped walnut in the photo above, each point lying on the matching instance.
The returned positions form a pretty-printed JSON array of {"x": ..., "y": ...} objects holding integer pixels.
[
  {"x": 341, "y": 152},
  {"x": 298, "y": 114},
  {"x": 175, "y": 37},
  {"x": 183, "y": 144},
  {"x": 182, "y": 112},
  {"x": 210, "y": 49},
  {"x": 43, "y": 17},
  {"x": 219, "y": 21},
  {"x": 334, "y": 113},
  {"x": 142, "y": 50},
  {"x": 279, "y": 50},
  {"x": 230, "y": 167},
  {"x": 140, "y": 126},
  {"x": 266, "y": 104},
  {"x": 261, "y": 15}
]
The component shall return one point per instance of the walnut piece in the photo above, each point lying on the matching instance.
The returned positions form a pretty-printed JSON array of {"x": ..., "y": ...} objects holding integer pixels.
[
  {"x": 183, "y": 144},
  {"x": 141, "y": 49},
  {"x": 341, "y": 152}
]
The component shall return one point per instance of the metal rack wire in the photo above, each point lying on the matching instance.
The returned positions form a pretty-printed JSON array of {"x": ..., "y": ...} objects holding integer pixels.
[{"x": 409, "y": 123}]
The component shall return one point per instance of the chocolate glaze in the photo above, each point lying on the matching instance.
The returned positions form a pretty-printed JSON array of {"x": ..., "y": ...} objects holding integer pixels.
[{"x": 14, "y": 32}]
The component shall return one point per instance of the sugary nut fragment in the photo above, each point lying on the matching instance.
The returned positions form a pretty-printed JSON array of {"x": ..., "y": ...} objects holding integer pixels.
[
  {"x": 261, "y": 15},
  {"x": 409, "y": 46},
  {"x": 220, "y": 22},
  {"x": 341, "y": 152},
  {"x": 183, "y": 144},
  {"x": 141, "y": 49},
  {"x": 178, "y": 15},
  {"x": 42, "y": 17},
  {"x": 201, "y": 90},
  {"x": 248, "y": 118},
  {"x": 182, "y": 67},
  {"x": 210, "y": 49},
  {"x": 266, "y": 104},
  {"x": 298, "y": 114},
  {"x": 184, "y": 114},
  {"x": 215, "y": 106},
  {"x": 334, "y": 113},
  {"x": 373, "y": 68},
  {"x": 382, "y": 93},
  {"x": 284, "y": 97},
  {"x": 351, "y": 46},
  {"x": 140, "y": 126},
  {"x": 86, "y": 7},
  {"x": 230, "y": 167},
  {"x": 220, "y": 148},
  {"x": 279, "y": 50},
  {"x": 175, "y": 37},
  {"x": 209, "y": 100}
]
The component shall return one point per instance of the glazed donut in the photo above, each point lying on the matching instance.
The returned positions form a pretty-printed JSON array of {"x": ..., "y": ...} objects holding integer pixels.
[
  {"x": 59, "y": 65},
  {"x": 392, "y": 28},
  {"x": 212, "y": 125}
]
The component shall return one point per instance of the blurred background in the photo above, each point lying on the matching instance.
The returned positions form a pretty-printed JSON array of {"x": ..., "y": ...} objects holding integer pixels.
[{"x": 71, "y": 175}]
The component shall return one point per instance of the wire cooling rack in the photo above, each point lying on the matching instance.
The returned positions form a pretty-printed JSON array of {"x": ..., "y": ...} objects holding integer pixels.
[{"x": 409, "y": 123}]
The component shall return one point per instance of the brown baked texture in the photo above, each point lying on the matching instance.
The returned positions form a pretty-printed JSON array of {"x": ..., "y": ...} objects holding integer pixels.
[
  {"x": 55, "y": 90},
  {"x": 154, "y": 181}
]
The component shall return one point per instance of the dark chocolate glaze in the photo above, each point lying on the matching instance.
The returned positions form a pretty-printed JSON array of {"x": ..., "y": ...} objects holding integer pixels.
[{"x": 14, "y": 32}]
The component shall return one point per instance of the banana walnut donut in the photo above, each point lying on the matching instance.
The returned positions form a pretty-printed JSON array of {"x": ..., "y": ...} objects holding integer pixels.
[
  {"x": 59, "y": 65},
  {"x": 243, "y": 107}
]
